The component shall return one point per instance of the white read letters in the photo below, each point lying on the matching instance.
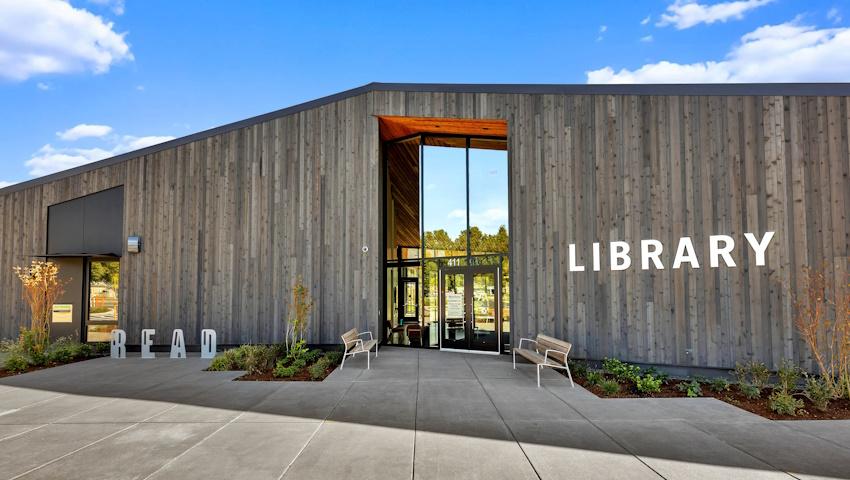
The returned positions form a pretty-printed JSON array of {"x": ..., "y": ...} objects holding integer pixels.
[{"x": 118, "y": 341}]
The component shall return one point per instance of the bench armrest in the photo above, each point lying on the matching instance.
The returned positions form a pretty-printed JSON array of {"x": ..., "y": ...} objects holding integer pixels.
[
  {"x": 527, "y": 340},
  {"x": 546, "y": 355},
  {"x": 359, "y": 340},
  {"x": 364, "y": 333}
]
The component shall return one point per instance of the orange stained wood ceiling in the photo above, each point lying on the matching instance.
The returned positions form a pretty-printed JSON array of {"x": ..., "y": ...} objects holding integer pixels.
[{"x": 393, "y": 127}]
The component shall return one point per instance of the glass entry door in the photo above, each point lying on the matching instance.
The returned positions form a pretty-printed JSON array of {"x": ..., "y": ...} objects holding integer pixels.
[{"x": 469, "y": 308}]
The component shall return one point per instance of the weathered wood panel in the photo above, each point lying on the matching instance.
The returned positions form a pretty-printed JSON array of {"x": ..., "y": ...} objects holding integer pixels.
[{"x": 230, "y": 220}]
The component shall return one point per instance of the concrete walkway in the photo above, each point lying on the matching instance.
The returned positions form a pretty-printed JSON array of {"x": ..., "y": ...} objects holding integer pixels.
[{"x": 416, "y": 414}]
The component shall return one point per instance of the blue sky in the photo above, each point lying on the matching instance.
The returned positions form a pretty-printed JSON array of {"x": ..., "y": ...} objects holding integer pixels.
[{"x": 84, "y": 80}]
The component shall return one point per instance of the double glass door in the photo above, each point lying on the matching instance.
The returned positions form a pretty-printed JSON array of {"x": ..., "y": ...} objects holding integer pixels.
[{"x": 470, "y": 308}]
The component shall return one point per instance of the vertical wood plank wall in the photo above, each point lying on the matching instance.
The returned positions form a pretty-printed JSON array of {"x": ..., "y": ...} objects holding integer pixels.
[{"x": 227, "y": 222}]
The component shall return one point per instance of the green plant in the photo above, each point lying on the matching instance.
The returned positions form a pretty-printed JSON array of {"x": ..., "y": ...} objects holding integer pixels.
[
  {"x": 609, "y": 387},
  {"x": 41, "y": 288},
  {"x": 16, "y": 362},
  {"x": 594, "y": 377},
  {"x": 719, "y": 384},
  {"x": 750, "y": 391},
  {"x": 578, "y": 368},
  {"x": 257, "y": 358},
  {"x": 334, "y": 357},
  {"x": 784, "y": 403},
  {"x": 623, "y": 372},
  {"x": 819, "y": 392},
  {"x": 66, "y": 349},
  {"x": 317, "y": 370},
  {"x": 691, "y": 389},
  {"x": 823, "y": 321},
  {"x": 287, "y": 367},
  {"x": 663, "y": 376},
  {"x": 788, "y": 375},
  {"x": 299, "y": 317},
  {"x": 232, "y": 359},
  {"x": 648, "y": 384}
]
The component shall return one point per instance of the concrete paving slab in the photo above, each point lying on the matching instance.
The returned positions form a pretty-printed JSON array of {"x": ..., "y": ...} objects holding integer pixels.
[
  {"x": 21, "y": 397},
  {"x": 28, "y": 451},
  {"x": 195, "y": 414},
  {"x": 131, "y": 454},
  {"x": 835, "y": 431},
  {"x": 527, "y": 402},
  {"x": 576, "y": 448},
  {"x": 9, "y": 431},
  {"x": 445, "y": 455},
  {"x": 256, "y": 451},
  {"x": 801, "y": 454},
  {"x": 120, "y": 410},
  {"x": 675, "y": 449},
  {"x": 297, "y": 402},
  {"x": 379, "y": 403},
  {"x": 453, "y": 402},
  {"x": 53, "y": 409},
  {"x": 358, "y": 452}
]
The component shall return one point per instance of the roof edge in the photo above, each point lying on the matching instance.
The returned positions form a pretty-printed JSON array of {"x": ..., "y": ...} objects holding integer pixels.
[{"x": 759, "y": 89}]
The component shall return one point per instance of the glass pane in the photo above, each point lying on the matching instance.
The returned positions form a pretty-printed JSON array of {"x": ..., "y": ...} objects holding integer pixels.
[
  {"x": 444, "y": 201},
  {"x": 454, "y": 305},
  {"x": 488, "y": 201},
  {"x": 410, "y": 302},
  {"x": 103, "y": 300},
  {"x": 484, "y": 310},
  {"x": 430, "y": 302}
]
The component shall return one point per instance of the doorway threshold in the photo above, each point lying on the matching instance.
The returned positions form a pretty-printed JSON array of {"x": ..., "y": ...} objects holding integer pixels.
[{"x": 460, "y": 350}]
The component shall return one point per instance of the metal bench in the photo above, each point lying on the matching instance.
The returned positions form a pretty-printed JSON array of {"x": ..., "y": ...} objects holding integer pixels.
[
  {"x": 354, "y": 345},
  {"x": 554, "y": 354}
]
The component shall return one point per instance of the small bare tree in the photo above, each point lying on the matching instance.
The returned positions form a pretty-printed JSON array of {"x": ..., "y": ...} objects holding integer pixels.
[
  {"x": 299, "y": 314},
  {"x": 42, "y": 288},
  {"x": 823, "y": 320}
]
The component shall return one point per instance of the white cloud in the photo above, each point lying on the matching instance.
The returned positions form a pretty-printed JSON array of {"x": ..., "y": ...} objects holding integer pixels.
[
  {"x": 603, "y": 28},
  {"x": 834, "y": 15},
  {"x": 684, "y": 14},
  {"x": 49, "y": 159},
  {"x": 488, "y": 220},
  {"x": 646, "y": 39},
  {"x": 51, "y": 36},
  {"x": 84, "y": 130},
  {"x": 42, "y": 86},
  {"x": 646, "y": 20},
  {"x": 117, "y": 6},
  {"x": 788, "y": 52},
  {"x": 4, "y": 184},
  {"x": 140, "y": 88}
]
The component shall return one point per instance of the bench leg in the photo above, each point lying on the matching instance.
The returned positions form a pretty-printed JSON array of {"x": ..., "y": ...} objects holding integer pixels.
[
  {"x": 343, "y": 361},
  {"x": 539, "y": 367},
  {"x": 368, "y": 367},
  {"x": 514, "y": 359},
  {"x": 569, "y": 374},
  {"x": 376, "y": 350}
]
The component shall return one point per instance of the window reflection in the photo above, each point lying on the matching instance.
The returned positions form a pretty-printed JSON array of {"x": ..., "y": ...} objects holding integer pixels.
[{"x": 104, "y": 276}]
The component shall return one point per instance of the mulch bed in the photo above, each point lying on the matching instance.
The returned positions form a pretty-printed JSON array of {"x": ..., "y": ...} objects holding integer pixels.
[
  {"x": 6, "y": 373},
  {"x": 838, "y": 409},
  {"x": 302, "y": 376}
]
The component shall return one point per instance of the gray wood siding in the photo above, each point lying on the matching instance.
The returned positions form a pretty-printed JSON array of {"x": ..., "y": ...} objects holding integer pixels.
[{"x": 227, "y": 222}]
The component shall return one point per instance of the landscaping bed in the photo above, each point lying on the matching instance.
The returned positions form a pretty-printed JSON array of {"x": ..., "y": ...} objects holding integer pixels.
[
  {"x": 23, "y": 356},
  {"x": 276, "y": 363},
  {"x": 786, "y": 399}
]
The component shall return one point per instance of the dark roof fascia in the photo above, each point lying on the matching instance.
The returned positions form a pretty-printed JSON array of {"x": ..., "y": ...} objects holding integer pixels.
[{"x": 768, "y": 89}]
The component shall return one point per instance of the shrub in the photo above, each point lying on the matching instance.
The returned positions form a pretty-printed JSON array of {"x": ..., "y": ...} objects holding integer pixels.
[
  {"x": 334, "y": 357},
  {"x": 691, "y": 389},
  {"x": 578, "y": 369},
  {"x": 648, "y": 384},
  {"x": 784, "y": 403},
  {"x": 609, "y": 387},
  {"x": 287, "y": 367},
  {"x": 819, "y": 392},
  {"x": 257, "y": 358},
  {"x": 719, "y": 384},
  {"x": 750, "y": 391},
  {"x": 317, "y": 370},
  {"x": 233, "y": 359},
  {"x": 594, "y": 378},
  {"x": 41, "y": 288},
  {"x": 16, "y": 362},
  {"x": 788, "y": 375},
  {"x": 621, "y": 371},
  {"x": 663, "y": 376},
  {"x": 66, "y": 349}
]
